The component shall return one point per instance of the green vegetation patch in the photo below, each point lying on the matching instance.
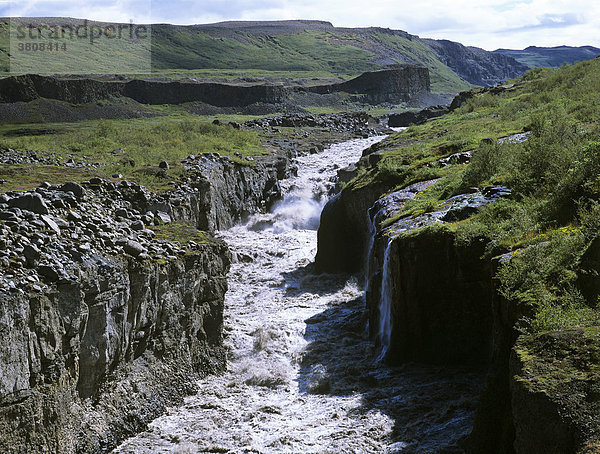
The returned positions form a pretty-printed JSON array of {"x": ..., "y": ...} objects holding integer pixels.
[
  {"x": 552, "y": 362},
  {"x": 26, "y": 177},
  {"x": 134, "y": 148},
  {"x": 181, "y": 233}
]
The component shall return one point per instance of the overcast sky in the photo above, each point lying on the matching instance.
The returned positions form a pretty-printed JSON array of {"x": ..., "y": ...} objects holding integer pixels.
[{"x": 489, "y": 24}]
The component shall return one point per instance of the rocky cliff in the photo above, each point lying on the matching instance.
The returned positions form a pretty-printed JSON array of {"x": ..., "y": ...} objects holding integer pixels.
[
  {"x": 402, "y": 83},
  {"x": 477, "y": 65},
  {"x": 84, "y": 90},
  {"x": 392, "y": 85},
  {"x": 433, "y": 299},
  {"x": 112, "y": 300},
  {"x": 103, "y": 325}
]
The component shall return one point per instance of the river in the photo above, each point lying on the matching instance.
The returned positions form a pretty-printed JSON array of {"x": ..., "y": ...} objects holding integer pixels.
[{"x": 302, "y": 375}]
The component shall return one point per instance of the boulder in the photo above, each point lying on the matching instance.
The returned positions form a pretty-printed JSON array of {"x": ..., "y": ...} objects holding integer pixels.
[{"x": 31, "y": 202}]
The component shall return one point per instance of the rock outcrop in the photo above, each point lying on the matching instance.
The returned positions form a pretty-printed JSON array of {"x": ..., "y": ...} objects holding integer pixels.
[
  {"x": 400, "y": 83},
  {"x": 103, "y": 325},
  {"x": 85, "y": 90},
  {"x": 106, "y": 321},
  {"x": 392, "y": 85},
  {"x": 416, "y": 117},
  {"x": 440, "y": 293},
  {"x": 476, "y": 65}
]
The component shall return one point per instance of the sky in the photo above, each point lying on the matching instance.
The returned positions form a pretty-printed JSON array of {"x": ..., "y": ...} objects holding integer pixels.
[{"x": 488, "y": 24}]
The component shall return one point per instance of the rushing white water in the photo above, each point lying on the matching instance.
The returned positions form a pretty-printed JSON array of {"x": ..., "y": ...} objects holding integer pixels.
[
  {"x": 385, "y": 304},
  {"x": 302, "y": 375}
]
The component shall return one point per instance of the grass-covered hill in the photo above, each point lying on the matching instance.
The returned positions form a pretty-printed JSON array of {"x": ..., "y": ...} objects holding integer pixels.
[
  {"x": 309, "y": 49},
  {"x": 551, "y": 223},
  {"x": 318, "y": 46},
  {"x": 552, "y": 57}
]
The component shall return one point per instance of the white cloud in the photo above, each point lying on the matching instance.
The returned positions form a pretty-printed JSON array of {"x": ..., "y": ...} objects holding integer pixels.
[{"x": 488, "y": 24}]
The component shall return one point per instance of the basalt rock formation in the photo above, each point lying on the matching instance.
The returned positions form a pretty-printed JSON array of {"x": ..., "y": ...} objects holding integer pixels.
[
  {"x": 477, "y": 65},
  {"x": 400, "y": 84},
  {"x": 540, "y": 392},
  {"x": 105, "y": 324}
]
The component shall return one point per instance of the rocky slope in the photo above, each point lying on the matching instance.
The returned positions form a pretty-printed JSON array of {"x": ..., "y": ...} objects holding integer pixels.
[
  {"x": 443, "y": 308},
  {"x": 312, "y": 46},
  {"x": 105, "y": 324},
  {"x": 553, "y": 57},
  {"x": 476, "y": 65},
  {"x": 318, "y": 45}
]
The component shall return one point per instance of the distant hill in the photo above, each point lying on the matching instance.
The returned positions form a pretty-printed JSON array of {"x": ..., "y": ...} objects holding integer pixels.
[
  {"x": 551, "y": 56},
  {"x": 320, "y": 48}
]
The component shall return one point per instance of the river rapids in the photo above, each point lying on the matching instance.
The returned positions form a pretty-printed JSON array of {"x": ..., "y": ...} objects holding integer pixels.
[{"x": 303, "y": 376}]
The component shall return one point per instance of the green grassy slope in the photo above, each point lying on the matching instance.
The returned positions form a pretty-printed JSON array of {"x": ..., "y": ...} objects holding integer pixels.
[
  {"x": 337, "y": 52},
  {"x": 553, "y": 215},
  {"x": 306, "y": 49}
]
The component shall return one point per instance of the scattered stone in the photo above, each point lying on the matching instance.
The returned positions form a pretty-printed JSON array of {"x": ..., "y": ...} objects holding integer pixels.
[
  {"x": 31, "y": 202},
  {"x": 137, "y": 226},
  {"x": 32, "y": 254},
  {"x": 165, "y": 218},
  {"x": 164, "y": 165},
  {"x": 51, "y": 223},
  {"x": 73, "y": 187},
  {"x": 133, "y": 248},
  {"x": 48, "y": 272},
  {"x": 127, "y": 162},
  {"x": 74, "y": 216},
  {"x": 9, "y": 216}
]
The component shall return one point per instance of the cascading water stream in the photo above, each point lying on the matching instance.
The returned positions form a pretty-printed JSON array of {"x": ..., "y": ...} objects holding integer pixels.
[
  {"x": 302, "y": 375},
  {"x": 385, "y": 304}
]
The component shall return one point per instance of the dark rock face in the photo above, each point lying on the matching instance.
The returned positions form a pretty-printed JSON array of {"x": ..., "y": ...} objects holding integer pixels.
[
  {"x": 118, "y": 319},
  {"x": 394, "y": 85},
  {"x": 416, "y": 118},
  {"x": 104, "y": 325},
  {"x": 220, "y": 193},
  {"x": 343, "y": 233},
  {"x": 80, "y": 91},
  {"x": 98, "y": 335},
  {"x": 441, "y": 298},
  {"x": 475, "y": 65},
  {"x": 402, "y": 83}
]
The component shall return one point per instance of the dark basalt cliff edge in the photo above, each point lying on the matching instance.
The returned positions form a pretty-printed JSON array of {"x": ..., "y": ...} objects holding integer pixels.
[
  {"x": 403, "y": 83},
  {"x": 95, "y": 358},
  {"x": 398, "y": 84},
  {"x": 81, "y": 90},
  {"x": 476, "y": 65},
  {"x": 441, "y": 299}
]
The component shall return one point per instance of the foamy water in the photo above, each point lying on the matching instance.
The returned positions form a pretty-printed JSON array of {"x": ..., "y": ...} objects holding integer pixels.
[{"x": 302, "y": 374}]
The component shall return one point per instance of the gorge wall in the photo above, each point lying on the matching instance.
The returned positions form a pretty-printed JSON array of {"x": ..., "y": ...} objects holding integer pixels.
[
  {"x": 433, "y": 299},
  {"x": 402, "y": 83},
  {"x": 106, "y": 322}
]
